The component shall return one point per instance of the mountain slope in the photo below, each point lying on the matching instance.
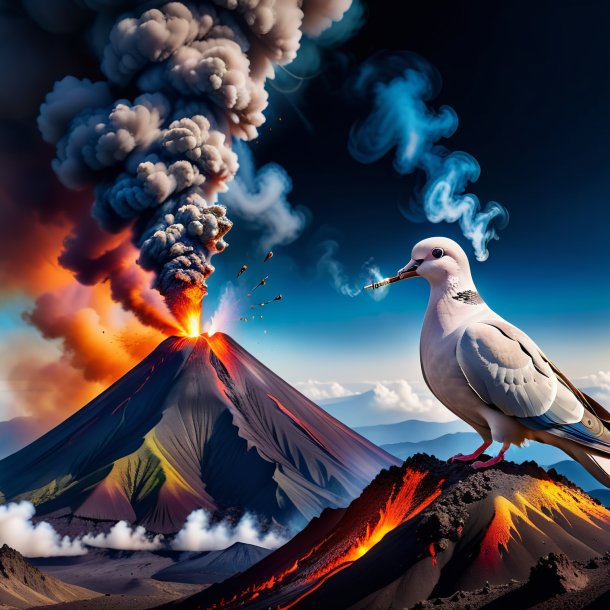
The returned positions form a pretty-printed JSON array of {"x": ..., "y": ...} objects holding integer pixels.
[
  {"x": 23, "y": 586},
  {"x": 424, "y": 530},
  {"x": 199, "y": 423},
  {"x": 213, "y": 566}
]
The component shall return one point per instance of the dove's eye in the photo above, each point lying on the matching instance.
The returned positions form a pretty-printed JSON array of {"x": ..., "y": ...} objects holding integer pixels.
[{"x": 438, "y": 253}]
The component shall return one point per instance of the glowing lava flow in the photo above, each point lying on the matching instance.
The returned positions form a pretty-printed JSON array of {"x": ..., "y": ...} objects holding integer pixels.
[
  {"x": 399, "y": 507},
  {"x": 331, "y": 556},
  {"x": 545, "y": 500}
]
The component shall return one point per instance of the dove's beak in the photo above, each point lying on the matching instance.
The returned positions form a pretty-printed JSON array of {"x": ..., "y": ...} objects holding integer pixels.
[{"x": 410, "y": 269}]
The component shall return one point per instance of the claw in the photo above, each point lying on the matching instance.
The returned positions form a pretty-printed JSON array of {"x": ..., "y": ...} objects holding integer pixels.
[
  {"x": 471, "y": 456},
  {"x": 494, "y": 460}
]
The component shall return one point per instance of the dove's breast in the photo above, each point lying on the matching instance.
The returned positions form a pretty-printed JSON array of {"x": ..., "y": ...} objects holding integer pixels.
[{"x": 444, "y": 376}]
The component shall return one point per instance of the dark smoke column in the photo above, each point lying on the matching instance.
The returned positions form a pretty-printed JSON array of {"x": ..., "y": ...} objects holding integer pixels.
[{"x": 155, "y": 138}]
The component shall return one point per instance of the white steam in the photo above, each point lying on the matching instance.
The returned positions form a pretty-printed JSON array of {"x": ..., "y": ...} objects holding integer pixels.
[
  {"x": 197, "y": 534},
  {"x": 40, "y": 540},
  {"x": 200, "y": 534},
  {"x": 125, "y": 538}
]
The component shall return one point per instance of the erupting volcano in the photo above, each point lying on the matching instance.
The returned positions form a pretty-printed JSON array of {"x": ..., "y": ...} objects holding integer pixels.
[
  {"x": 423, "y": 530},
  {"x": 199, "y": 423}
]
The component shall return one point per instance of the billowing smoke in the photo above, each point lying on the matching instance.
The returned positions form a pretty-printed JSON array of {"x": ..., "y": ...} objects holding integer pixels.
[
  {"x": 40, "y": 540},
  {"x": 260, "y": 199},
  {"x": 123, "y": 537},
  {"x": 328, "y": 264},
  {"x": 154, "y": 138},
  {"x": 199, "y": 533},
  {"x": 401, "y": 87}
]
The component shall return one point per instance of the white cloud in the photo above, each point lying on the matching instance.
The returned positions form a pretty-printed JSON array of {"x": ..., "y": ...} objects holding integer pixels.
[
  {"x": 40, "y": 540},
  {"x": 322, "y": 390},
  {"x": 125, "y": 538},
  {"x": 597, "y": 385},
  {"x": 199, "y": 534}
]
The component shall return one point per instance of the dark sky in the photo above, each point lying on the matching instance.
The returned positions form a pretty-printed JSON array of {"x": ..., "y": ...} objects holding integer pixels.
[{"x": 530, "y": 83}]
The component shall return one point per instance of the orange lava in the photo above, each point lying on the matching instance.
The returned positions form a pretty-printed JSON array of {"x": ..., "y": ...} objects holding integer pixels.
[
  {"x": 545, "y": 500},
  {"x": 401, "y": 505}
]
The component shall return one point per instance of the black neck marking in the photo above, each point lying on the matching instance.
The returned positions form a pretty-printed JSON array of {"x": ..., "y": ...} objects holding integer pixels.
[{"x": 470, "y": 297}]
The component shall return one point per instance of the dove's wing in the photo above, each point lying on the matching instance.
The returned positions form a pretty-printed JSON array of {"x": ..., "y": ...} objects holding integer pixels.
[{"x": 508, "y": 371}]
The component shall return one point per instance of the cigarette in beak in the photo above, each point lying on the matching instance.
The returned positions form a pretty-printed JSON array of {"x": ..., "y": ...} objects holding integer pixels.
[
  {"x": 385, "y": 282},
  {"x": 405, "y": 273}
]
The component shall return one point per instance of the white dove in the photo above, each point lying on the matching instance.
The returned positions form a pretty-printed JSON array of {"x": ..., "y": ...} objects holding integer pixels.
[{"x": 492, "y": 375}]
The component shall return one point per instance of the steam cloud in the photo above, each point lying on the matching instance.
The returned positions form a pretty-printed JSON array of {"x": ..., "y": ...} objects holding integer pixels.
[
  {"x": 200, "y": 534},
  {"x": 40, "y": 540},
  {"x": 157, "y": 161},
  {"x": 400, "y": 119},
  {"x": 125, "y": 538}
]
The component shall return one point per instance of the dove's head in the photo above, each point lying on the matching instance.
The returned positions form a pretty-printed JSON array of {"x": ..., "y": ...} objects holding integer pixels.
[{"x": 441, "y": 261}]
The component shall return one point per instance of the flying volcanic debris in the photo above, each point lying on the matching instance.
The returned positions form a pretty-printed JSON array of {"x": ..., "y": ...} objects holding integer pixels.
[
  {"x": 261, "y": 283},
  {"x": 243, "y": 268},
  {"x": 155, "y": 137},
  {"x": 401, "y": 86},
  {"x": 269, "y": 256}
]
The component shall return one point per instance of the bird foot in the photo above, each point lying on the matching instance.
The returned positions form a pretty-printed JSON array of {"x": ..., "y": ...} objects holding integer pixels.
[
  {"x": 487, "y": 463},
  {"x": 459, "y": 457}
]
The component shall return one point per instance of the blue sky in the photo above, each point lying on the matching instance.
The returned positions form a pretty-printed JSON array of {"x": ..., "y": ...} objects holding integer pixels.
[{"x": 533, "y": 107}]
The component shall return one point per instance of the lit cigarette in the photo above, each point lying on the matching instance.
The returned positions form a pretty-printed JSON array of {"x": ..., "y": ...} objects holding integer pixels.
[{"x": 388, "y": 280}]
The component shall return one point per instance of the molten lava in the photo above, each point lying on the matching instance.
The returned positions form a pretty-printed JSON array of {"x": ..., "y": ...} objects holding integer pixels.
[
  {"x": 399, "y": 507},
  {"x": 541, "y": 500},
  {"x": 340, "y": 550}
]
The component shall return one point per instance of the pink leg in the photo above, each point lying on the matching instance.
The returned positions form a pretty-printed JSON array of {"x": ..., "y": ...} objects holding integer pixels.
[
  {"x": 471, "y": 456},
  {"x": 495, "y": 460}
]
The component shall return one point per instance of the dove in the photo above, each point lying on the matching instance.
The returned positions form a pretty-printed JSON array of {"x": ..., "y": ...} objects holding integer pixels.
[{"x": 493, "y": 375}]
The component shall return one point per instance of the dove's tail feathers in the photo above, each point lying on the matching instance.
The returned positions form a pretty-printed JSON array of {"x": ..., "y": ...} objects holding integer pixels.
[{"x": 595, "y": 465}]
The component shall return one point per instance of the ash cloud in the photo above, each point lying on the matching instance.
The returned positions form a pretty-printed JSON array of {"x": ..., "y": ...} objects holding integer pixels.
[
  {"x": 157, "y": 161},
  {"x": 401, "y": 119}
]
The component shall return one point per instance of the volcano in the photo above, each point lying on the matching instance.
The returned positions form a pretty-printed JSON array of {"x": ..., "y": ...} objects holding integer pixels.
[
  {"x": 421, "y": 531},
  {"x": 199, "y": 423}
]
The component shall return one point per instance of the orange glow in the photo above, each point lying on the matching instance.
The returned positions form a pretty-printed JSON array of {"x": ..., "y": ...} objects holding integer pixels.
[
  {"x": 398, "y": 508},
  {"x": 545, "y": 500},
  {"x": 331, "y": 556},
  {"x": 187, "y": 310},
  {"x": 193, "y": 325}
]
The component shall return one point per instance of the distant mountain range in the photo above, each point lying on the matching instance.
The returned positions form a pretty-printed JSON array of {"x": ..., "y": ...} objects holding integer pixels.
[
  {"x": 359, "y": 410},
  {"x": 447, "y": 445},
  {"x": 411, "y": 430}
]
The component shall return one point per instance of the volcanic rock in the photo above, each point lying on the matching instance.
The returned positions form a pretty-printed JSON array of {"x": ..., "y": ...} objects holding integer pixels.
[
  {"x": 425, "y": 531},
  {"x": 200, "y": 423},
  {"x": 23, "y": 586}
]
